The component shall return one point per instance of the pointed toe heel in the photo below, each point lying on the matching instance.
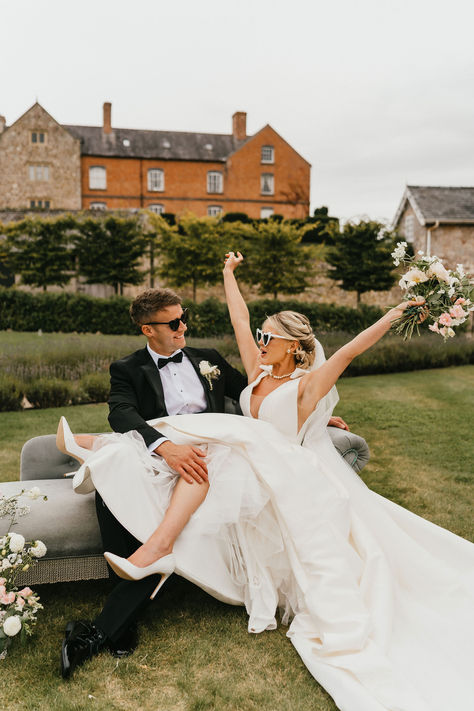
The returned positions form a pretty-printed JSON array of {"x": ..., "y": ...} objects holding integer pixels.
[
  {"x": 124, "y": 569},
  {"x": 66, "y": 443}
]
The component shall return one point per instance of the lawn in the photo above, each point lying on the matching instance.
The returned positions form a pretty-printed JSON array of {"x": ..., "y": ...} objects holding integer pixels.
[{"x": 195, "y": 653}]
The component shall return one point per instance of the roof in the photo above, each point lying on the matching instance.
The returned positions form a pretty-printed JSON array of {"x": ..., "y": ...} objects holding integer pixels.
[
  {"x": 164, "y": 145},
  {"x": 443, "y": 204}
]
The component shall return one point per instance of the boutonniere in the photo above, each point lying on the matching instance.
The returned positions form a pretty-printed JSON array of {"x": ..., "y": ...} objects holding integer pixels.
[{"x": 208, "y": 371}]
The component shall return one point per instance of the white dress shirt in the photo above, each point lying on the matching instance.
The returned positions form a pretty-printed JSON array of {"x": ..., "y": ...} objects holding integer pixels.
[{"x": 182, "y": 389}]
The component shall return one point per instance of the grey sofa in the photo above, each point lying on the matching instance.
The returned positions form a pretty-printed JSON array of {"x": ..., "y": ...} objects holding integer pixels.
[{"x": 67, "y": 522}]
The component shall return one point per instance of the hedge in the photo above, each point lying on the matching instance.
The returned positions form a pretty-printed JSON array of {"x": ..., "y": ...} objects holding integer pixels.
[{"x": 64, "y": 312}]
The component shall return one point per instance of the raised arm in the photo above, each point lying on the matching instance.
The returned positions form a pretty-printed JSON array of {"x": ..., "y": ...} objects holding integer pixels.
[
  {"x": 318, "y": 383},
  {"x": 239, "y": 316}
]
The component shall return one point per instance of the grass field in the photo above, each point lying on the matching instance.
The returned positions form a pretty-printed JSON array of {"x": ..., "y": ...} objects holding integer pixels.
[{"x": 195, "y": 653}]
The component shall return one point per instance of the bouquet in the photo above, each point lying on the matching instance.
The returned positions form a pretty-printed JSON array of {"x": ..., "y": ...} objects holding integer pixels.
[
  {"x": 445, "y": 294},
  {"x": 18, "y": 608}
]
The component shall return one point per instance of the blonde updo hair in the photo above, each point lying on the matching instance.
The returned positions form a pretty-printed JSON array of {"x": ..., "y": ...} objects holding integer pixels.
[{"x": 297, "y": 327}]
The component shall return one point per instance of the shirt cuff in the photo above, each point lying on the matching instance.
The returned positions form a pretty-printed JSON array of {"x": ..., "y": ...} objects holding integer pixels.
[{"x": 154, "y": 445}]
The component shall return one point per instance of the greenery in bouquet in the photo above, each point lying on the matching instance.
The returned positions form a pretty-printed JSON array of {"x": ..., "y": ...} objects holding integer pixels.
[
  {"x": 445, "y": 295},
  {"x": 18, "y": 608}
]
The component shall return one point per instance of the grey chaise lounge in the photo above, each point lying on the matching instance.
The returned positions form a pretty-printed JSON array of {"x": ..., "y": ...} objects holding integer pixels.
[{"x": 67, "y": 522}]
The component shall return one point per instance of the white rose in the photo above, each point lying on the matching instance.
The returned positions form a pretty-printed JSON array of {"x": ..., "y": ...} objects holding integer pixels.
[
  {"x": 38, "y": 550},
  {"x": 437, "y": 270},
  {"x": 6, "y": 564},
  {"x": 205, "y": 367},
  {"x": 17, "y": 542},
  {"x": 34, "y": 493},
  {"x": 12, "y": 625}
]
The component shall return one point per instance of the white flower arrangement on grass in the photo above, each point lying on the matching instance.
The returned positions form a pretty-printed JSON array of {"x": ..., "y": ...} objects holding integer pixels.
[
  {"x": 18, "y": 608},
  {"x": 445, "y": 294}
]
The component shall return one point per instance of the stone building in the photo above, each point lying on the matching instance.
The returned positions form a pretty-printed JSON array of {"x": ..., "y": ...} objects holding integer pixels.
[
  {"x": 40, "y": 163},
  {"x": 47, "y": 165},
  {"x": 439, "y": 221}
]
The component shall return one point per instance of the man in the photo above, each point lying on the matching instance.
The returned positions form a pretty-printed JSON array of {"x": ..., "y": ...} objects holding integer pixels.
[{"x": 161, "y": 379}]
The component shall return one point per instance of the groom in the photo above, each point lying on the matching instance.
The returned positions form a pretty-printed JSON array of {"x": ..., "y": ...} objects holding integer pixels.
[{"x": 164, "y": 378}]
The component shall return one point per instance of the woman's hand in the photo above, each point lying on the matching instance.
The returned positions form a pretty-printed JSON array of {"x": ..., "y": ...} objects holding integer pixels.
[
  {"x": 231, "y": 261},
  {"x": 398, "y": 311}
]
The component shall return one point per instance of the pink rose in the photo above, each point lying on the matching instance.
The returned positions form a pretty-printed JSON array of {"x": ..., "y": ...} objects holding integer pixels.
[
  {"x": 20, "y": 603},
  {"x": 26, "y": 592},
  {"x": 7, "y": 598},
  {"x": 445, "y": 319},
  {"x": 457, "y": 311},
  {"x": 434, "y": 327},
  {"x": 3, "y": 581},
  {"x": 460, "y": 301},
  {"x": 2, "y": 590}
]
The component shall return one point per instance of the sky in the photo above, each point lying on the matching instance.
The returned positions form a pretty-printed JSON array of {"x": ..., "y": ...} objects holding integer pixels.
[{"x": 375, "y": 94}]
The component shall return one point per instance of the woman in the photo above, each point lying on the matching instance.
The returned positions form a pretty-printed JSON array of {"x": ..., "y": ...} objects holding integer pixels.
[{"x": 381, "y": 600}]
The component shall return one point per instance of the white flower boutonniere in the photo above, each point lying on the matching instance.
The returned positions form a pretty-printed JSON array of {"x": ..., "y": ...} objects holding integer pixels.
[{"x": 210, "y": 372}]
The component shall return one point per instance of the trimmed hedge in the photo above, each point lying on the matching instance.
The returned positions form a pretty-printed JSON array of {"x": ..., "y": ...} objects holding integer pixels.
[{"x": 23, "y": 311}]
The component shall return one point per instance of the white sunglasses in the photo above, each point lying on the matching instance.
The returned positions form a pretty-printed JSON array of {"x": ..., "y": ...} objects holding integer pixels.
[{"x": 266, "y": 336}]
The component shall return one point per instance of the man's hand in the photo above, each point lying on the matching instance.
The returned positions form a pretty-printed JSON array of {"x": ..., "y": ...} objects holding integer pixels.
[
  {"x": 185, "y": 459},
  {"x": 338, "y": 422}
]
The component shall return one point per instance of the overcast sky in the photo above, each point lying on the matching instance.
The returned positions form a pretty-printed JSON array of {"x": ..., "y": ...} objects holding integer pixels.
[{"x": 375, "y": 94}]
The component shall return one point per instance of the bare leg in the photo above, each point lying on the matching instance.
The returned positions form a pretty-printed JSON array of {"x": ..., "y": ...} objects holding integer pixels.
[{"x": 186, "y": 498}]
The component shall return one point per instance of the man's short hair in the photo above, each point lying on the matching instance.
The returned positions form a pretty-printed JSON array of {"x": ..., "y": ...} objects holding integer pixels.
[{"x": 145, "y": 305}]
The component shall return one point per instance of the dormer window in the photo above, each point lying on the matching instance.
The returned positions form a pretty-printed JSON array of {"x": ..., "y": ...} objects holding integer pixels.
[
  {"x": 97, "y": 177},
  {"x": 267, "y": 154},
  {"x": 156, "y": 179},
  {"x": 215, "y": 181}
]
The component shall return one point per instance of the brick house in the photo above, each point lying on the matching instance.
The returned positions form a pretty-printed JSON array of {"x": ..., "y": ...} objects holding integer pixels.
[
  {"x": 166, "y": 171},
  {"x": 439, "y": 221}
]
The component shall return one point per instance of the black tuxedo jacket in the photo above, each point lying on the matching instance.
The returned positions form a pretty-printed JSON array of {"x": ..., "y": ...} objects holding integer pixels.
[{"x": 136, "y": 392}]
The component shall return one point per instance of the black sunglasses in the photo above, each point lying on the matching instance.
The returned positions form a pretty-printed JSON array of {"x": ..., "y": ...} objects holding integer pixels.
[{"x": 174, "y": 324}]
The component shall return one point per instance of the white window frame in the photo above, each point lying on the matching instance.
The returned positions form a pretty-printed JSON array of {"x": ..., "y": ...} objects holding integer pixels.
[
  {"x": 270, "y": 158},
  {"x": 266, "y": 212},
  {"x": 215, "y": 181},
  {"x": 97, "y": 177},
  {"x": 157, "y": 208},
  {"x": 267, "y": 184},
  {"x": 214, "y": 210},
  {"x": 38, "y": 172},
  {"x": 156, "y": 180},
  {"x": 409, "y": 228},
  {"x": 98, "y": 206}
]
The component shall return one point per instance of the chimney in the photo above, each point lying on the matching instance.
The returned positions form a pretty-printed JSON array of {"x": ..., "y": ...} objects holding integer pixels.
[
  {"x": 239, "y": 125},
  {"x": 107, "y": 127},
  {"x": 2, "y": 123}
]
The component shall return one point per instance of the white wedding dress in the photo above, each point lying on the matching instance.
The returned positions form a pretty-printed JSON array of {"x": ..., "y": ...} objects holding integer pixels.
[{"x": 380, "y": 601}]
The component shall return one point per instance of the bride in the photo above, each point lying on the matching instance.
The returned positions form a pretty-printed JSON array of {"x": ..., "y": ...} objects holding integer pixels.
[{"x": 381, "y": 602}]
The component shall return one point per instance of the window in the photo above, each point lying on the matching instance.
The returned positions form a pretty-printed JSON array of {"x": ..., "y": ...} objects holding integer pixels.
[
  {"x": 410, "y": 228},
  {"x": 156, "y": 179},
  {"x": 267, "y": 184},
  {"x": 39, "y": 172},
  {"x": 214, "y": 210},
  {"x": 46, "y": 204},
  {"x": 97, "y": 178},
  {"x": 157, "y": 209},
  {"x": 98, "y": 206},
  {"x": 214, "y": 182},
  {"x": 267, "y": 154},
  {"x": 266, "y": 212},
  {"x": 38, "y": 137}
]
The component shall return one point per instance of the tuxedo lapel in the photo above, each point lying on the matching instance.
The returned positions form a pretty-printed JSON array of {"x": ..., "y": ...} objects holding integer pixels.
[
  {"x": 153, "y": 376},
  {"x": 195, "y": 360}
]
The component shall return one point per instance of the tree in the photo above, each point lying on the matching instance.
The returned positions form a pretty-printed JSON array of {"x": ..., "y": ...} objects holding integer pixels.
[
  {"x": 109, "y": 251},
  {"x": 193, "y": 254},
  {"x": 276, "y": 260},
  {"x": 321, "y": 227},
  {"x": 155, "y": 228},
  {"x": 361, "y": 257},
  {"x": 39, "y": 250}
]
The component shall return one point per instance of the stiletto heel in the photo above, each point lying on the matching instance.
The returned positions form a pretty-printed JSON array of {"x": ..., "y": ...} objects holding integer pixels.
[
  {"x": 124, "y": 569},
  {"x": 66, "y": 443}
]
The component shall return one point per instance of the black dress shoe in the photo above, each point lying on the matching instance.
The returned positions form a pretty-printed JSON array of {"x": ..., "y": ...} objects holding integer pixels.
[
  {"x": 81, "y": 642},
  {"x": 126, "y": 644}
]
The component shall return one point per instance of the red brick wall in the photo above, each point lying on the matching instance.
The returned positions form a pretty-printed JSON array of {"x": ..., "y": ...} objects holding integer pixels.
[{"x": 186, "y": 181}]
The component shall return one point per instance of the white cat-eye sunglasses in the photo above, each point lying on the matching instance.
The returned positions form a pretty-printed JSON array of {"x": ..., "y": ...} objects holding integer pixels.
[{"x": 266, "y": 336}]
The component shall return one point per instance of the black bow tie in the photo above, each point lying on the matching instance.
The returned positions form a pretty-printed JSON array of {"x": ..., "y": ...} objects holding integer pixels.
[{"x": 176, "y": 358}]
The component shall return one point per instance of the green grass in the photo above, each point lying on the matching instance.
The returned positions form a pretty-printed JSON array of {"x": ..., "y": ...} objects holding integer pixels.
[{"x": 195, "y": 653}]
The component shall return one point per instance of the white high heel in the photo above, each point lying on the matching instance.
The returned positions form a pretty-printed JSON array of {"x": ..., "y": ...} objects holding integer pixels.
[
  {"x": 66, "y": 443},
  {"x": 128, "y": 571}
]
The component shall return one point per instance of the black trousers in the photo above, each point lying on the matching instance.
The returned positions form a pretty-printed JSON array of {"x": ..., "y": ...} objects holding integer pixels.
[{"x": 129, "y": 597}]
